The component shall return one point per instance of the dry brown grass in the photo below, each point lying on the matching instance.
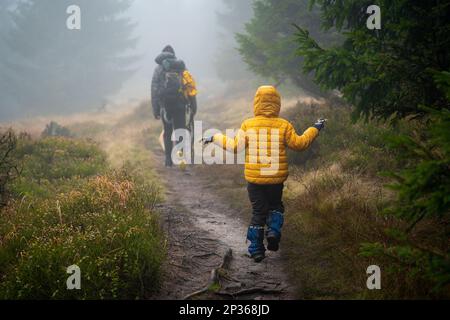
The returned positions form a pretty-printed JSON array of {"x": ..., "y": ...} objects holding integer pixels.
[
  {"x": 228, "y": 113},
  {"x": 329, "y": 214}
]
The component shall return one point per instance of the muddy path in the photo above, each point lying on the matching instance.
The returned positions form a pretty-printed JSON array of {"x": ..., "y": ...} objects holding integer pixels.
[{"x": 201, "y": 228}]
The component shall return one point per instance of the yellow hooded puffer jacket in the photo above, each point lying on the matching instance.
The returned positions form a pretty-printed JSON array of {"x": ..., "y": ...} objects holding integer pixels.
[{"x": 265, "y": 138}]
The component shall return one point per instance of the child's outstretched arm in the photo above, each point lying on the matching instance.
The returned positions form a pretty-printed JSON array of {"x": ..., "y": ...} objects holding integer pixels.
[
  {"x": 300, "y": 143},
  {"x": 235, "y": 145}
]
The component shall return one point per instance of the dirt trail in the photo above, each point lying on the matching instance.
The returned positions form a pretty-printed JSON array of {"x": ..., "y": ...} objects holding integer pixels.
[{"x": 201, "y": 227}]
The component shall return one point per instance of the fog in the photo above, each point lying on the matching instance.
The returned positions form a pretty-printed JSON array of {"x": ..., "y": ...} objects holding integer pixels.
[
  {"x": 190, "y": 26},
  {"x": 46, "y": 69}
]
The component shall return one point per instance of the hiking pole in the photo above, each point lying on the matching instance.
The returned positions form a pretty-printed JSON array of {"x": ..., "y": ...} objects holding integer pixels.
[{"x": 190, "y": 127}]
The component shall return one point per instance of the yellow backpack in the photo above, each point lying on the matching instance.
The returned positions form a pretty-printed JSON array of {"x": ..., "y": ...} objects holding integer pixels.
[{"x": 190, "y": 89}]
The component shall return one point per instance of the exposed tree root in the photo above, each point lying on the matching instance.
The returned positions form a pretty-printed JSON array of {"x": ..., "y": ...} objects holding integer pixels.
[
  {"x": 214, "y": 280},
  {"x": 206, "y": 255},
  {"x": 249, "y": 291}
]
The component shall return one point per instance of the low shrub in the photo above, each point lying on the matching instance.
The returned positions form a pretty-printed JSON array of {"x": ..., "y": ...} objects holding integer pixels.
[
  {"x": 100, "y": 220},
  {"x": 53, "y": 129},
  {"x": 50, "y": 164},
  {"x": 8, "y": 164},
  {"x": 357, "y": 146}
]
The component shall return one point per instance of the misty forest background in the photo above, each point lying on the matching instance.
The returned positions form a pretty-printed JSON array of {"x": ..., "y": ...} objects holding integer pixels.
[{"x": 375, "y": 188}]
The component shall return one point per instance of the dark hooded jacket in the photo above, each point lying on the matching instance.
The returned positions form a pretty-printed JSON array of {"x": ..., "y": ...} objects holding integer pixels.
[{"x": 158, "y": 82}]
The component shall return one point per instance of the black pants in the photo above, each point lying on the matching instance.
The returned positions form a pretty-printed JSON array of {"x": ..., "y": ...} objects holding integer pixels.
[
  {"x": 265, "y": 198},
  {"x": 174, "y": 117}
]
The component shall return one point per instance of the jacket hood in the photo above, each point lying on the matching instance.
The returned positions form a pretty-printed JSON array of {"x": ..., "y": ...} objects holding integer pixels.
[
  {"x": 267, "y": 102},
  {"x": 163, "y": 56},
  {"x": 168, "y": 49}
]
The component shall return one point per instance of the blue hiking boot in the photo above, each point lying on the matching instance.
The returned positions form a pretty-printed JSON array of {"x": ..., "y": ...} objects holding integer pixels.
[
  {"x": 275, "y": 222},
  {"x": 256, "y": 249}
]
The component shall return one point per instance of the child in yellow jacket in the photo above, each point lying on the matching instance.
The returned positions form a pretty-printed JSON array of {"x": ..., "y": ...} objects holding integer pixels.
[{"x": 265, "y": 138}]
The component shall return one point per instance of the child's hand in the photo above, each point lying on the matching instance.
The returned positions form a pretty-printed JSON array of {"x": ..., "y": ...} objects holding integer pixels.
[
  {"x": 207, "y": 141},
  {"x": 320, "y": 124}
]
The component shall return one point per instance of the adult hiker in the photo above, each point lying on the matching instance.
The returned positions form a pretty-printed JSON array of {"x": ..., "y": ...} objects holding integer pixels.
[
  {"x": 265, "y": 139},
  {"x": 173, "y": 96}
]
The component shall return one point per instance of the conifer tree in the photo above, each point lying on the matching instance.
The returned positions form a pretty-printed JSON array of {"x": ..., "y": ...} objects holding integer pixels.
[
  {"x": 51, "y": 69},
  {"x": 268, "y": 43},
  {"x": 382, "y": 72},
  {"x": 399, "y": 71}
]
